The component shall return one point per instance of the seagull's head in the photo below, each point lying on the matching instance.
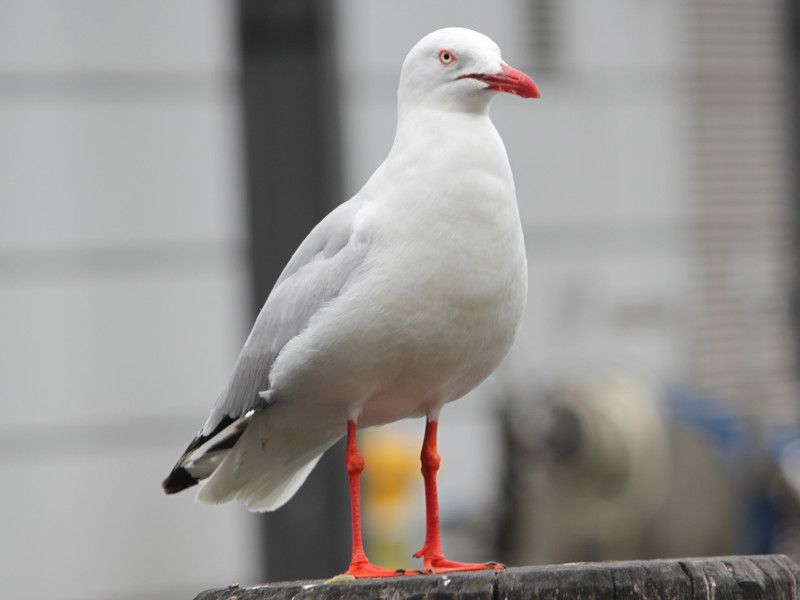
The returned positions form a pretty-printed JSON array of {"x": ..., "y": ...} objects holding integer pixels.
[{"x": 458, "y": 69}]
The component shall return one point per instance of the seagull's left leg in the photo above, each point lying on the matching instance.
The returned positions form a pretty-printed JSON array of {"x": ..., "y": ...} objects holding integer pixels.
[
  {"x": 359, "y": 565},
  {"x": 434, "y": 560}
]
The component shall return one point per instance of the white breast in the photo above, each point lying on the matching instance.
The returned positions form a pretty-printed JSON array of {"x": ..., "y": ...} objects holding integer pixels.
[{"x": 440, "y": 297}]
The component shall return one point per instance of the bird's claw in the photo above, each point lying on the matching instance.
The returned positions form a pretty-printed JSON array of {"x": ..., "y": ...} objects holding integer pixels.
[{"x": 438, "y": 565}]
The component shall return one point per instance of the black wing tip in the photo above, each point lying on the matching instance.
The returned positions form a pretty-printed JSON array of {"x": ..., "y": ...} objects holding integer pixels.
[
  {"x": 178, "y": 480},
  {"x": 228, "y": 442}
]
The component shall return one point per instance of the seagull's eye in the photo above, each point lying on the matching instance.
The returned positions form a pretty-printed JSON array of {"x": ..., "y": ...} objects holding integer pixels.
[{"x": 446, "y": 57}]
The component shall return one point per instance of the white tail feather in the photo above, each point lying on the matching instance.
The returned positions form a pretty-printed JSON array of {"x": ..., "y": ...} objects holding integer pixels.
[
  {"x": 277, "y": 497},
  {"x": 268, "y": 464}
]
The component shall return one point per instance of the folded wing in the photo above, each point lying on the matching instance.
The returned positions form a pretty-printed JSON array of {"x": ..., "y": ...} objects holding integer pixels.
[{"x": 315, "y": 275}]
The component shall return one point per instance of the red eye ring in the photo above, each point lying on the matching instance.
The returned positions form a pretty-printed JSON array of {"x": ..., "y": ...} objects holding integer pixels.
[{"x": 446, "y": 57}]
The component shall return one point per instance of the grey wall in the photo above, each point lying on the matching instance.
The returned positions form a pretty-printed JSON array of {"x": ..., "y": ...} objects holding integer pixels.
[
  {"x": 123, "y": 291},
  {"x": 654, "y": 186}
]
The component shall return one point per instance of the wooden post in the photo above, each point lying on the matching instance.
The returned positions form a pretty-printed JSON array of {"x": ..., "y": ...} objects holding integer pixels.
[{"x": 769, "y": 577}]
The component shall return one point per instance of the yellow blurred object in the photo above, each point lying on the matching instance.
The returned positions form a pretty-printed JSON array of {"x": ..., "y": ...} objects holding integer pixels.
[
  {"x": 392, "y": 469},
  {"x": 393, "y": 461}
]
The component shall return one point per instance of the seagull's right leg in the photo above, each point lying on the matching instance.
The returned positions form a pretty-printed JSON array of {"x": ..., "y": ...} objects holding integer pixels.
[
  {"x": 431, "y": 551},
  {"x": 359, "y": 565}
]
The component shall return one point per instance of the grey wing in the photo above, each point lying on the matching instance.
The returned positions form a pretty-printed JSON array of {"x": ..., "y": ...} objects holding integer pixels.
[{"x": 314, "y": 276}]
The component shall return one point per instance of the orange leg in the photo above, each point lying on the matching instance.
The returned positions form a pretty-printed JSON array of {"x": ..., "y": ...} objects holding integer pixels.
[
  {"x": 359, "y": 565},
  {"x": 434, "y": 560}
]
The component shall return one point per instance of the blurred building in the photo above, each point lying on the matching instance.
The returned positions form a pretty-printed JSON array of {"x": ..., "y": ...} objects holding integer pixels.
[
  {"x": 655, "y": 191},
  {"x": 655, "y": 183}
]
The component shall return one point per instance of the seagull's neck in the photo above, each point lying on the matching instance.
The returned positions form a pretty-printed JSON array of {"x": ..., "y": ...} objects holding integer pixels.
[
  {"x": 423, "y": 130},
  {"x": 409, "y": 102},
  {"x": 436, "y": 153}
]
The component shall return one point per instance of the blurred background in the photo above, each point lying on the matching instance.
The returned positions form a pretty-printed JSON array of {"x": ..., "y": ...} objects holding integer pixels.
[{"x": 160, "y": 161}]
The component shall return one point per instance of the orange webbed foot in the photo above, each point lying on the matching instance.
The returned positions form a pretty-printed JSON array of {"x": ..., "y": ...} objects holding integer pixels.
[
  {"x": 365, "y": 569},
  {"x": 439, "y": 564}
]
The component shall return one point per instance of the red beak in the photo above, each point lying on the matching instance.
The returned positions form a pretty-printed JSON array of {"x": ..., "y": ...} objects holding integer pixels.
[{"x": 509, "y": 80}]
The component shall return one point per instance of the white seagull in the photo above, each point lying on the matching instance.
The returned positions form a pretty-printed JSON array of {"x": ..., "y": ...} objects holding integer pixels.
[{"x": 401, "y": 300}]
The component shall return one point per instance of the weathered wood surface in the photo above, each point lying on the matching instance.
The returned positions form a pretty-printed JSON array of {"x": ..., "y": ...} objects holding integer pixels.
[{"x": 769, "y": 577}]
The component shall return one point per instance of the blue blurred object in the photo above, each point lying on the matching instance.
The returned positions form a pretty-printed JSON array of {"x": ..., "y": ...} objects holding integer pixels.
[
  {"x": 741, "y": 453},
  {"x": 727, "y": 434}
]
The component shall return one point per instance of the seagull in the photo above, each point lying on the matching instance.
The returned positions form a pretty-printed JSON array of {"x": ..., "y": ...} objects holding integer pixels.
[{"x": 402, "y": 299}]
